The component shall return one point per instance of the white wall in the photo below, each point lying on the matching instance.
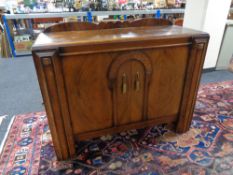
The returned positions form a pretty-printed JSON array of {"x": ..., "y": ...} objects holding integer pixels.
[
  {"x": 226, "y": 51},
  {"x": 2, "y": 3},
  {"x": 216, "y": 17},
  {"x": 195, "y": 12},
  {"x": 209, "y": 16}
]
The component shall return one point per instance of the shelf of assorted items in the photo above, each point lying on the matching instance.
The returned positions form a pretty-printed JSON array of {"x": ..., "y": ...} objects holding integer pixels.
[
  {"x": 22, "y": 29},
  {"x": 230, "y": 16},
  {"x": 94, "y": 13}
]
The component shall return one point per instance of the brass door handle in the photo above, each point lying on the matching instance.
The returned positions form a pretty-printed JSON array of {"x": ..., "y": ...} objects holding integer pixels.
[
  {"x": 124, "y": 84},
  {"x": 137, "y": 82}
]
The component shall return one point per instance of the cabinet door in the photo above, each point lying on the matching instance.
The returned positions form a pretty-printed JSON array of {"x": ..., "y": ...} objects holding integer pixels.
[
  {"x": 129, "y": 79},
  {"x": 88, "y": 94},
  {"x": 167, "y": 80}
]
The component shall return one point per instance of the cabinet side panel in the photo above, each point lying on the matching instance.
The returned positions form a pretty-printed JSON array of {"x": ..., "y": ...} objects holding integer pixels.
[
  {"x": 89, "y": 96},
  {"x": 63, "y": 104},
  {"x": 192, "y": 80},
  {"x": 47, "y": 83},
  {"x": 167, "y": 80}
]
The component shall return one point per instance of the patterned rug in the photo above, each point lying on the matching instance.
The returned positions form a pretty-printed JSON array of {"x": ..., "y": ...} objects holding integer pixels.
[{"x": 206, "y": 149}]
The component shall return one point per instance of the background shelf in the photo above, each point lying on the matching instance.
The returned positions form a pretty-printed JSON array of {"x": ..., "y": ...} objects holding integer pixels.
[{"x": 13, "y": 23}]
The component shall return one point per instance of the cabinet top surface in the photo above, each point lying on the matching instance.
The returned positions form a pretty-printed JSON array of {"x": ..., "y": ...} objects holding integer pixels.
[{"x": 108, "y": 36}]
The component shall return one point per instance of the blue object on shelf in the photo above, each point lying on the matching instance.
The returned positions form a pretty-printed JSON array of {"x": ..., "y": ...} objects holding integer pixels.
[
  {"x": 8, "y": 33},
  {"x": 89, "y": 16},
  {"x": 16, "y": 24},
  {"x": 125, "y": 17},
  {"x": 158, "y": 14}
]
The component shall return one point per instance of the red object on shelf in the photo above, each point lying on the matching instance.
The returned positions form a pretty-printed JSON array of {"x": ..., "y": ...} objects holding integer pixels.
[
  {"x": 122, "y": 1},
  {"x": 179, "y": 22}
]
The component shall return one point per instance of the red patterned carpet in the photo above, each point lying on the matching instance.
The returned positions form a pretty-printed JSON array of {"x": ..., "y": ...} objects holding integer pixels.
[{"x": 206, "y": 149}]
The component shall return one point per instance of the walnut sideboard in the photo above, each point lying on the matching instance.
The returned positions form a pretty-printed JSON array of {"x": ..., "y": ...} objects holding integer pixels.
[{"x": 98, "y": 79}]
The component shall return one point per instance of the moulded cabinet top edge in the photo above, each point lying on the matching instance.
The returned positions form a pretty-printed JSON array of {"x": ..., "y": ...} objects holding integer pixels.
[{"x": 113, "y": 36}]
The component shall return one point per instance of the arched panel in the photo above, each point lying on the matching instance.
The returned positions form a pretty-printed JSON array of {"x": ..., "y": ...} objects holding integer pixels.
[{"x": 129, "y": 76}]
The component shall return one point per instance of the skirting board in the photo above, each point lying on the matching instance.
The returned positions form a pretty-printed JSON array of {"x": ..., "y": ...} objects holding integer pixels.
[
  {"x": 211, "y": 69},
  {"x": 222, "y": 68}
]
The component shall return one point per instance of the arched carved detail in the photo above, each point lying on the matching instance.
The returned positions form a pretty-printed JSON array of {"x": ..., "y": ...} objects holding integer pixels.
[
  {"x": 121, "y": 59},
  {"x": 129, "y": 76}
]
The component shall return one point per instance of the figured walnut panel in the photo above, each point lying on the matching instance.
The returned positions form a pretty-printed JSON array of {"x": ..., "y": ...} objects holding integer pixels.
[
  {"x": 87, "y": 90},
  {"x": 167, "y": 80}
]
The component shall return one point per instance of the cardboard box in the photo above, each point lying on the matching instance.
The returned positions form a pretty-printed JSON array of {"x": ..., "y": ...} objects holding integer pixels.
[
  {"x": 160, "y": 3},
  {"x": 23, "y": 46}
]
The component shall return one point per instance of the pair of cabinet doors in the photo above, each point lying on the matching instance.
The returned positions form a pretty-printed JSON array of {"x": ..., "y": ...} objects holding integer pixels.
[{"x": 106, "y": 90}]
